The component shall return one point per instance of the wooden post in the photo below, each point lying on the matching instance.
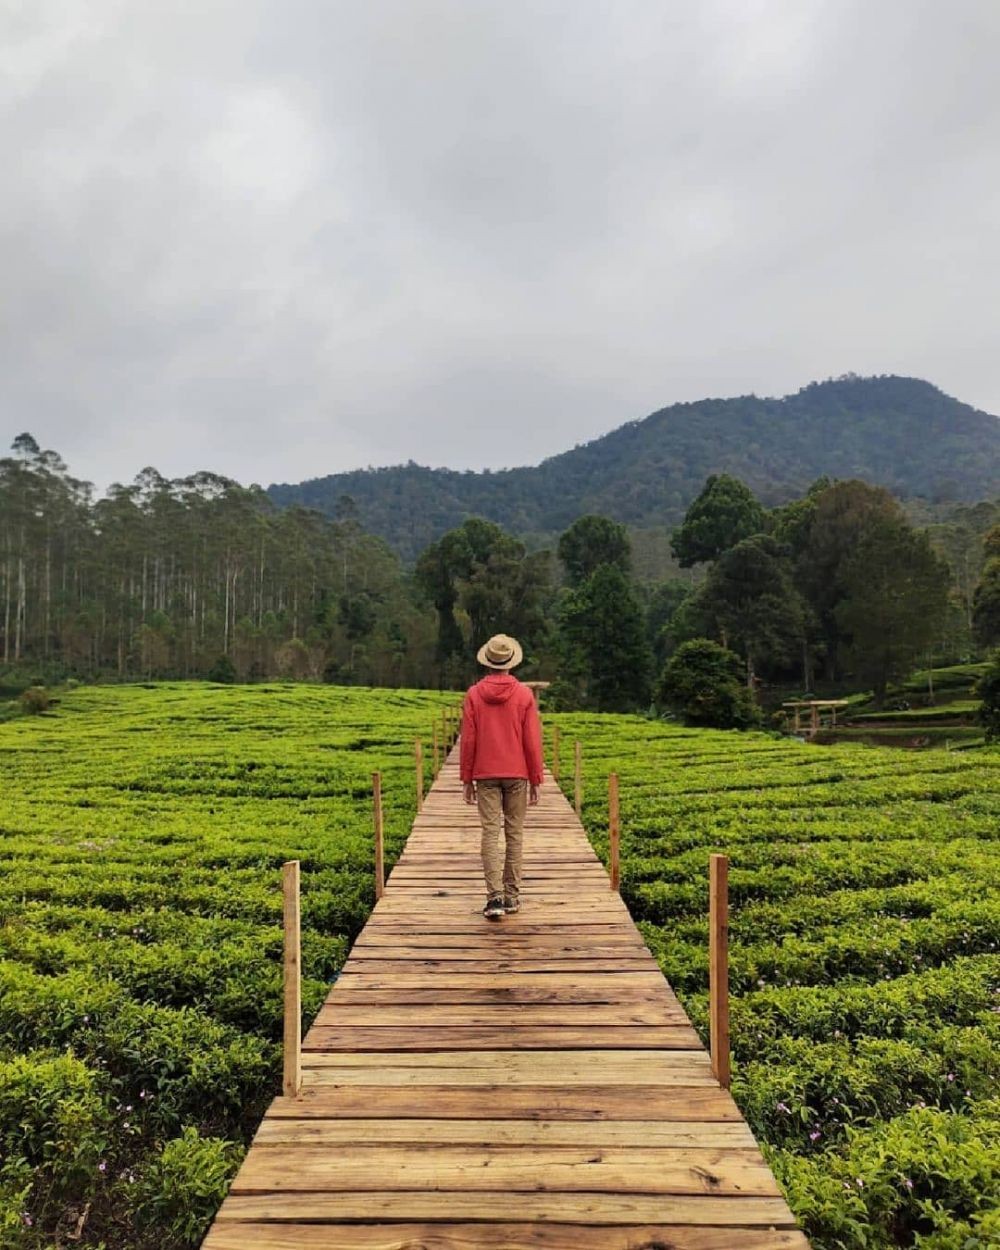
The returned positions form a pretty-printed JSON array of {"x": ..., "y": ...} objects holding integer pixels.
[
  {"x": 555, "y": 753},
  {"x": 292, "y": 1075},
  {"x": 445, "y": 735},
  {"x": 614, "y": 830},
  {"x": 798, "y": 719},
  {"x": 718, "y": 965},
  {"x": 418, "y": 761},
  {"x": 379, "y": 836},
  {"x": 435, "y": 766},
  {"x": 814, "y": 720},
  {"x": 577, "y": 779}
]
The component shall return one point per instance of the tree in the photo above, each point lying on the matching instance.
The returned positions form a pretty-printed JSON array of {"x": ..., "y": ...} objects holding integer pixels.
[
  {"x": 604, "y": 651},
  {"x": 488, "y": 574},
  {"x": 590, "y": 542},
  {"x": 986, "y": 597},
  {"x": 725, "y": 512},
  {"x": 895, "y": 594},
  {"x": 702, "y": 681},
  {"x": 663, "y": 603},
  {"x": 988, "y": 689},
  {"x": 752, "y": 596},
  {"x": 986, "y": 605},
  {"x": 843, "y": 514}
]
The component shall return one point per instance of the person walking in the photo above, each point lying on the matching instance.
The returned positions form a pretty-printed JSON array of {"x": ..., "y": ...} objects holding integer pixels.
[{"x": 501, "y": 767}]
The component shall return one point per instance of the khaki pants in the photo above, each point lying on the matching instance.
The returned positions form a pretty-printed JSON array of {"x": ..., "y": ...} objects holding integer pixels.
[{"x": 502, "y": 869}]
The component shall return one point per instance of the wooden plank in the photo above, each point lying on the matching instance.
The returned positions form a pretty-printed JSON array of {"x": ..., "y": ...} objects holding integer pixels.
[
  {"x": 503, "y": 1037},
  {"x": 575, "y": 995},
  {"x": 535, "y": 1061},
  {"x": 292, "y": 981},
  {"x": 503, "y": 1015},
  {"x": 474, "y": 1169},
  {"x": 234, "y": 1234},
  {"x": 461, "y": 1072},
  {"x": 506, "y": 1102},
  {"x": 589, "y": 1209},
  {"x": 594, "y": 1133},
  {"x": 317, "y": 1077}
]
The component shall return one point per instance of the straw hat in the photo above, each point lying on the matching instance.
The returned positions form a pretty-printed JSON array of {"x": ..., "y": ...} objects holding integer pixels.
[{"x": 500, "y": 653}]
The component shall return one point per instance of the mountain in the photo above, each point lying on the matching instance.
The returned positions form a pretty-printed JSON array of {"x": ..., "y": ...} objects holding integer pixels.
[{"x": 898, "y": 432}]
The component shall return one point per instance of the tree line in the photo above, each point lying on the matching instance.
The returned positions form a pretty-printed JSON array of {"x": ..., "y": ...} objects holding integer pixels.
[{"x": 203, "y": 577}]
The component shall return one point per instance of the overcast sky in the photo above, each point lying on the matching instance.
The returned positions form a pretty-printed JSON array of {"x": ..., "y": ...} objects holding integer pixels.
[{"x": 283, "y": 238}]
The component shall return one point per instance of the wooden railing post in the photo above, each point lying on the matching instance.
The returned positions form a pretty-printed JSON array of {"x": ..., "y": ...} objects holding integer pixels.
[
  {"x": 418, "y": 764},
  {"x": 614, "y": 831},
  {"x": 379, "y": 836},
  {"x": 718, "y": 965},
  {"x": 555, "y": 753},
  {"x": 445, "y": 743},
  {"x": 292, "y": 1074},
  {"x": 434, "y": 763},
  {"x": 577, "y": 779}
]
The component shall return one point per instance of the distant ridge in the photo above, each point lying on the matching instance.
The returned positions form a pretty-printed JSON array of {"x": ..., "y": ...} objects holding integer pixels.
[{"x": 898, "y": 432}]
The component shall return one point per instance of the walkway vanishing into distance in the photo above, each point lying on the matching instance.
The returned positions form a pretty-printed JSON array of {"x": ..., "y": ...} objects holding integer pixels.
[{"x": 531, "y": 1082}]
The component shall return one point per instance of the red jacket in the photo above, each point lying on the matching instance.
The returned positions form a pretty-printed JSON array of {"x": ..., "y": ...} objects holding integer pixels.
[{"x": 501, "y": 732}]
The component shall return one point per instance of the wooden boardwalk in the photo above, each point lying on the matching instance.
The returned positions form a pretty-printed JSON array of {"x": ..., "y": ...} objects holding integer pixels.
[{"x": 531, "y": 1082}]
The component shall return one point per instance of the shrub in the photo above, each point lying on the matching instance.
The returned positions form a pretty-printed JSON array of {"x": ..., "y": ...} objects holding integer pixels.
[
  {"x": 181, "y": 1191},
  {"x": 34, "y": 700},
  {"x": 988, "y": 689},
  {"x": 222, "y": 671},
  {"x": 702, "y": 681}
]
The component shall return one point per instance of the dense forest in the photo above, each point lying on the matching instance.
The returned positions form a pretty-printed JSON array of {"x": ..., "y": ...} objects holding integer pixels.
[
  {"x": 202, "y": 577},
  {"x": 896, "y": 432}
]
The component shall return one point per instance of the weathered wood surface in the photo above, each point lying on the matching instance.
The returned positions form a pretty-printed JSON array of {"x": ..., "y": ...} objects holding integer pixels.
[{"x": 531, "y": 1084}]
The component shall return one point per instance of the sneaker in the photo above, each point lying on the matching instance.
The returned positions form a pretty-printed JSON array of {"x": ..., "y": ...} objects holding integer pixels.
[
  {"x": 493, "y": 909},
  {"x": 511, "y": 905}
]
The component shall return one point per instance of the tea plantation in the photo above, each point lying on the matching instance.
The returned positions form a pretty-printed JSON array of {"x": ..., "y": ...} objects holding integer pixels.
[
  {"x": 141, "y": 833},
  {"x": 142, "y": 830},
  {"x": 865, "y": 958}
]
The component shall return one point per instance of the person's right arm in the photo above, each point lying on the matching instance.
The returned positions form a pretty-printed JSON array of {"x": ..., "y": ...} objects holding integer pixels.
[{"x": 531, "y": 736}]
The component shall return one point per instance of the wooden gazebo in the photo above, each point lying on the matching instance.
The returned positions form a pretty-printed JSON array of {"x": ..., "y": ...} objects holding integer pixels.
[{"x": 815, "y": 706}]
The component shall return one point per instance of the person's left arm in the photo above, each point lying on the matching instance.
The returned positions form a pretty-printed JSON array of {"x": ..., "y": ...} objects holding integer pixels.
[{"x": 467, "y": 757}]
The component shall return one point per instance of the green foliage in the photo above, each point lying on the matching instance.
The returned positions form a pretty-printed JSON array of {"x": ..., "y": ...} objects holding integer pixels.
[
  {"x": 702, "y": 682},
  {"x": 182, "y": 1188},
  {"x": 144, "y": 828},
  {"x": 986, "y": 605},
  {"x": 721, "y": 516},
  {"x": 590, "y": 542},
  {"x": 751, "y": 595},
  {"x": 895, "y": 595},
  {"x": 988, "y": 690},
  {"x": 223, "y": 671},
  {"x": 490, "y": 576},
  {"x": 605, "y": 655},
  {"x": 34, "y": 700},
  {"x": 864, "y": 964},
  {"x": 908, "y": 435}
]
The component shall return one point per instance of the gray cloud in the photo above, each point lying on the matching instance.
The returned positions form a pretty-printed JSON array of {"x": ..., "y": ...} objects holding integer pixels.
[{"x": 284, "y": 239}]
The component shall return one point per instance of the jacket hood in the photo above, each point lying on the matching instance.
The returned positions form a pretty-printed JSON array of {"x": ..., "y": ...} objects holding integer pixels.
[{"x": 497, "y": 687}]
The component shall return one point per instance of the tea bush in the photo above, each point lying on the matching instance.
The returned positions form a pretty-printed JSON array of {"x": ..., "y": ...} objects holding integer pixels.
[
  {"x": 864, "y": 957},
  {"x": 142, "y": 831}
]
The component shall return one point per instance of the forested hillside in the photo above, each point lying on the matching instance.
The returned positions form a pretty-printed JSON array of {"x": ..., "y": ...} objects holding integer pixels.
[{"x": 901, "y": 433}]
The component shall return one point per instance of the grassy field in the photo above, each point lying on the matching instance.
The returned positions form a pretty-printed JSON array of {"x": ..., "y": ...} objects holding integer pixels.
[
  {"x": 142, "y": 832},
  {"x": 865, "y": 890}
]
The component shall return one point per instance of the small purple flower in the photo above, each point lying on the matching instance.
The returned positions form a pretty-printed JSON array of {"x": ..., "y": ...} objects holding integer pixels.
[
  {"x": 102, "y": 1166},
  {"x": 860, "y": 1183},
  {"x": 782, "y": 1107},
  {"x": 815, "y": 1135},
  {"x": 908, "y": 1183}
]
